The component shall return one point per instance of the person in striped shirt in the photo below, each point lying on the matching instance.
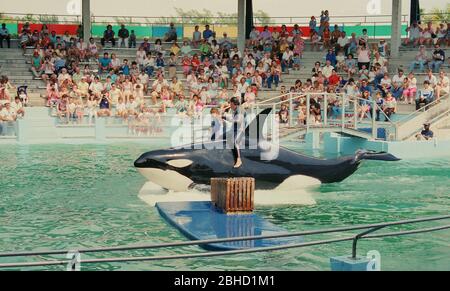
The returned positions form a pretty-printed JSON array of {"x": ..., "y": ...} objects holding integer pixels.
[{"x": 426, "y": 95}]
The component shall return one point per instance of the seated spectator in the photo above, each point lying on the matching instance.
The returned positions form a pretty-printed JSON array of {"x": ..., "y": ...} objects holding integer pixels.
[
  {"x": 5, "y": 35},
  {"x": 379, "y": 59},
  {"x": 426, "y": 133},
  {"x": 283, "y": 115},
  {"x": 25, "y": 40},
  {"x": 146, "y": 45},
  {"x": 365, "y": 104},
  {"x": 385, "y": 84},
  {"x": 437, "y": 59},
  {"x": 414, "y": 34},
  {"x": 287, "y": 59},
  {"x": 327, "y": 70},
  {"x": 104, "y": 106},
  {"x": 92, "y": 49},
  {"x": 351, "y": 66},
  {"x": 104, "y": 63},
  {"x": 340, "y": 61},
  {"x": 108, "y": 36},
  {"x": 22, "y": 94},
  {"x": 342, "y": 43},
  {"x": 171, "y": 34},
  {"x": 389, "y": 106},
  {"x": 186, "y": 49},
  {"x": 397, "y": 90},
  {"x": 426, "y": 95},
  {"x": 265, "y": 36},
  {"x": 420, "y": 60},
  {"x": 61, "y": 109},
  {"x": 399, "y": 77},
  {"x": 431, "y": 78},
  {"x": 124, "y": 35},
  {"x": 253, "y": 39},
  {"x": 205, "y": 50},
  {"x": 426, "y": 35},
  {"x": 315, "y": 41},
  {"x": 442, "y": 34},
  {"x": 410, "y": 89},
  {"x": 442, "y": 86},
  {"x": 7, "y": 113}
]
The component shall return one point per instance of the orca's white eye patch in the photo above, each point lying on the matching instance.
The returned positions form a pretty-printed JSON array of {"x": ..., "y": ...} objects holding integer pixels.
[{"x": 179, "y": 163}]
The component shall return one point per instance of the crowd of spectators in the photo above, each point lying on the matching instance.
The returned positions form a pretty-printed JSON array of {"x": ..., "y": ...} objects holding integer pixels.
[{"x": 83, "y": 81}]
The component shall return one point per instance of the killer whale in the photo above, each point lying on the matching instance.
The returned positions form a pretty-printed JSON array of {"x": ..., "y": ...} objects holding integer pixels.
[{"x": 181, "y": 168}]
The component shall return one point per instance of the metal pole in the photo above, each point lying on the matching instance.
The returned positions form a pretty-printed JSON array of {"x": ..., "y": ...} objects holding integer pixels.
[
  {"x": 374, "y": 124},
  {"x": 241, "y": 25},
  {"x": 291, "y": 110},
  {"x": 308, "y": 111},
  {"x": 355, "y": 114},
  {"x": 396, "y": 34},
  {"x": 343, "y": 112},
  {"x": 86, "y": 19},
  {"x": 357, "y": 237},
  {"x": 325, "y": 110}
]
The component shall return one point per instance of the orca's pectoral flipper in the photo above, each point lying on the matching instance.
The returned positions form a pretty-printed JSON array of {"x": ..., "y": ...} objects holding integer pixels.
[
  {"x": 376, "y": 156},
  {"x": 254, "y": 130}
]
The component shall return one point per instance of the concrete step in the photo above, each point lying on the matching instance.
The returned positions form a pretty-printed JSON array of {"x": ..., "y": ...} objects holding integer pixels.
[{"x": 38, "y": 113}]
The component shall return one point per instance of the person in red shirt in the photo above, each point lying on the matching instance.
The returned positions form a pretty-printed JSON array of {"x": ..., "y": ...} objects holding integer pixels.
[
  {"x": 195, "y": 63},
  {"x": 45, "y": 42},
  {"x": 333, "y": 80},
  {"x": 326, "y": 37},
  {"x": 284, "y": 33}
]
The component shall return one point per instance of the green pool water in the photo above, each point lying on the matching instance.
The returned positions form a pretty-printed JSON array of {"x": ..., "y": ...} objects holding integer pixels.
[{"x": 72, "y": 196}]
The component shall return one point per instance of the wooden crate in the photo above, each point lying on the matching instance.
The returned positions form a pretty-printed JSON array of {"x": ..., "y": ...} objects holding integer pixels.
[{"x": 233, "y": 195}]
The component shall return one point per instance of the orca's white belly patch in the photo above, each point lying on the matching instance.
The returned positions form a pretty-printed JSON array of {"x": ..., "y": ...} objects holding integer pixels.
[{"x": 167, "y": 179}]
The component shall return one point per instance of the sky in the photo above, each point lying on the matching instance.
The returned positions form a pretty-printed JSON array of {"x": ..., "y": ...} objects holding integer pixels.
[{"x": 152, "y": 8}]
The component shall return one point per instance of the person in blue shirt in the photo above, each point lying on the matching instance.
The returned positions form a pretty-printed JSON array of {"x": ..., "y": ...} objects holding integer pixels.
[
  {"x": 108, "y": 36},
  {"x": 365, "y": 87},
  {"x": 438, "y": 59},
  {"x": 171, "y": 34},
  {"x": 312, "y": 24},
  {"x": 159, "y": 62},
  {"x": 426, "y": 133},
  {"x": 4, "y": 35},
  {"x": 331, "y": 56},
  {"x": 125, "y": 68},
  {"x": 104, "y": 63},
  {"x": 207, "y": 33},
  {"x": 396, "y": 91},
  {"x": 426, "y": 95},
  {"x": 53, "y": 37},
  {"x": 112, "y": 75}
]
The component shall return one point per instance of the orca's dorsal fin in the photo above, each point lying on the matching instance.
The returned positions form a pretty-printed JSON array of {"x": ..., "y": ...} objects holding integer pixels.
[{"x": 255, "y": 128}]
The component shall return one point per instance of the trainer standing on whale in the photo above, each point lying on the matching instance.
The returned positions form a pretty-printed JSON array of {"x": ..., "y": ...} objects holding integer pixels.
[{"x": 238, "y": 123}]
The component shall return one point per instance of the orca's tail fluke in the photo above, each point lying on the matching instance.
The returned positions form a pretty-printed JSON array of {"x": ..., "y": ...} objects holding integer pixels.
[{"x": 375, "y": 156}]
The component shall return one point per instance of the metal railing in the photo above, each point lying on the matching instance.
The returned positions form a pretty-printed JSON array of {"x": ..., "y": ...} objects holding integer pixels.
[
  {"x": 413, "y": 122},
  {"x": 345, "y": 114},
  {"x": 370, "y": 228},
  {"x": 182, "y": 21}
]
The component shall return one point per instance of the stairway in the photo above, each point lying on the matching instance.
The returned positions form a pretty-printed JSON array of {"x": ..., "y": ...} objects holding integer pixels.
[{"x": 414, "y": 124}]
